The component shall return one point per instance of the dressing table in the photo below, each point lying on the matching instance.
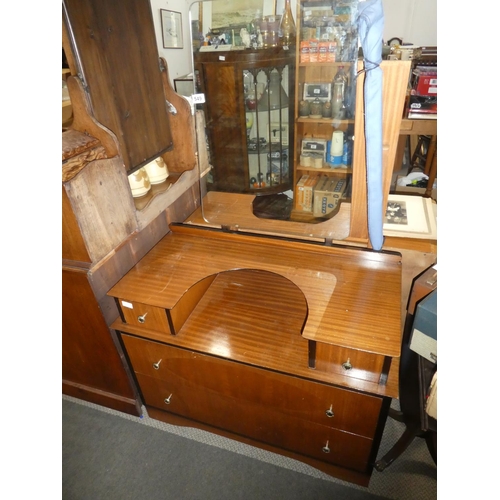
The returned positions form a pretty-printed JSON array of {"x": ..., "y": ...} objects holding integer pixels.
[{"x": 284, "y": 335}]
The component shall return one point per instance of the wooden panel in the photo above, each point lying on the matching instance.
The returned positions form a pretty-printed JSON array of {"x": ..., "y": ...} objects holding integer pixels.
[
  {"x": 103, "y": 205},
  {"x": 394, "y": 83},
  {"x": 90, "y": 359},
  {"x": 73, "y": 246},
  {"x": 352, "y": 412},
  {"x": 117, "y": 48},
  {"x": 182, "y": 156}
]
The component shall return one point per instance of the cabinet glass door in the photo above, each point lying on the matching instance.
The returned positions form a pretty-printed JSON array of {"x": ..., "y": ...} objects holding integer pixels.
[{"x": 268, "y": 134}]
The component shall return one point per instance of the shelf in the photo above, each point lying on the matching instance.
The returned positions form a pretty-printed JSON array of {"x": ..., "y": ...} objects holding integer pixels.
[
  {"x": 326, "y": 170},
  {"x": 325, "y": 64},
  {"x": 333, "y": 121}
]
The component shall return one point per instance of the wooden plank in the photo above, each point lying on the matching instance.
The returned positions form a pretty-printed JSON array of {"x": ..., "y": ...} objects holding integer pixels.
[
  {"x": 121, "y": 71},
  {"x": 103, "y": 205}
]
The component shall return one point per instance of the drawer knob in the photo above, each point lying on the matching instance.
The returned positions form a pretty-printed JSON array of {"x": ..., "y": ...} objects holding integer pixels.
[
  {"x": 142, "y": 319},
  {"x": 167, "y": 400},
  {"x": 156, "y": 365},
  {"x": 347, "y": 365},
  {"x": 325, "y": 448},
  {"x": 329, "y": 412}
]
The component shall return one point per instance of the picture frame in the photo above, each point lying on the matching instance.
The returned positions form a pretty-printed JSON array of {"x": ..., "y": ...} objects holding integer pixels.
[
  {"x": 171, "y": 29},
  {"x": 321, "y": 91},
  {"x": 275, "y": 133}
]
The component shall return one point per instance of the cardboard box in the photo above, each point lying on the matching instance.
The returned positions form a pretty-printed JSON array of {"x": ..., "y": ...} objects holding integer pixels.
[
  {"x": 304, "y": 192},
  {"x": 425, "y": 83},
  {"x": 327, "y": 195}
]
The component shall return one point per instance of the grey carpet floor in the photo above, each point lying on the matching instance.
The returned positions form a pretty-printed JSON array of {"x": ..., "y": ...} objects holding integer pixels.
[{"x": 110, "y": 455}]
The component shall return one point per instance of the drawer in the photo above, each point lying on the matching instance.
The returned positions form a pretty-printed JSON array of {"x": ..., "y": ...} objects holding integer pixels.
[
  {"x": 361, "y": 365},
  {"x": 322, "y": 404},
  {"x": 264, "y": 424},
  {"x": 145, "y": 316}
]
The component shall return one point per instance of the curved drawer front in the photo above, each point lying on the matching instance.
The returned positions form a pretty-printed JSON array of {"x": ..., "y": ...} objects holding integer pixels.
[
  {"x": 203, "y": 379},
  {"x": 265, "y": 424}
]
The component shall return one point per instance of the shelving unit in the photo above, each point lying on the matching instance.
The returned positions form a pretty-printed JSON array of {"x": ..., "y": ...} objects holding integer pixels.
[{"x": 326, "y": 35}]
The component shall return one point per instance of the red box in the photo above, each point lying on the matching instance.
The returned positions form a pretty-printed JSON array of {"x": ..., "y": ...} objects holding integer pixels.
[{"x": 425, "y": 82}]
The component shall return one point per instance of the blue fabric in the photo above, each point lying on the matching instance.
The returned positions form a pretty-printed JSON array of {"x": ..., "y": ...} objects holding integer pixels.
[{"x": 370, "y": 29}]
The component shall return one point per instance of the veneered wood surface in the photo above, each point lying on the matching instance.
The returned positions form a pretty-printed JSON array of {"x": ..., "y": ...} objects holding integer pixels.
[
  {"x": 352, "y": 411},
  {"x": 353, "y": 295},
  {"x": 90, "y": 359}
]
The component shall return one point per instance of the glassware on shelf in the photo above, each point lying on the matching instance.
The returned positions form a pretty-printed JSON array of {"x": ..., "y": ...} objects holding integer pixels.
[
  {"x": 287, "y": 26},
  {"x": 339, "y": 90},
  {"x": 274, "y": 96}
]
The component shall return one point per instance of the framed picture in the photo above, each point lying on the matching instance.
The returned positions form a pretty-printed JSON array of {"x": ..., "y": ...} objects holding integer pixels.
[
  {"x": 171, "y": 29},
  {"x": 276, "y": 136},
  {"x": 321, "y": 91}
]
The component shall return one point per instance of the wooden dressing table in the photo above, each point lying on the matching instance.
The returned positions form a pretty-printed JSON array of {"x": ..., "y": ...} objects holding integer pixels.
[
  {"x": 280, "y": 339},
  {"x": 288, "y": 345}
]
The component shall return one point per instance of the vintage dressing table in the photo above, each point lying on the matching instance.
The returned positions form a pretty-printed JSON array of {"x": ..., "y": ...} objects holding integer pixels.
[{"x": 285, "y": 335}]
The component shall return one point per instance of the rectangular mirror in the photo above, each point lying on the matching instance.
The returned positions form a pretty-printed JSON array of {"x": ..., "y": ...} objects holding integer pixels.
[{"x": 281, "y": 120}]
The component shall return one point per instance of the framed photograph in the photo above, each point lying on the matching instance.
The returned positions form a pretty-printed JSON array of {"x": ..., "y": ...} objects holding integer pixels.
[
  {"x": 171, "y": 29},
  {"x": 410, "y": 217},
  {"x": 276, "y": 135},
  {"x": 321, "y": 91}
]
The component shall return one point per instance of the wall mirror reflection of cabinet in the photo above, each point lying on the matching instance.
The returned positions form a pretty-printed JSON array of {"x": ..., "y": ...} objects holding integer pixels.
[
  {"x": 319, "y": 24},
  {"x": 249, "y": 113}
]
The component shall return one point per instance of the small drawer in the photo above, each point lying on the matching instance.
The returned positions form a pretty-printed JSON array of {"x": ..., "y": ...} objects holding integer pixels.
[
  {"x": 349, "y": 362},
  {"x": 145, "y": 316},
  {"x": 190, "y": 372}
]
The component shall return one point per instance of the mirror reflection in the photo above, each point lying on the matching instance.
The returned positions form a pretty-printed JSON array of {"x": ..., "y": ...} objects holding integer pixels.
[{"x": 279, "y": 93}]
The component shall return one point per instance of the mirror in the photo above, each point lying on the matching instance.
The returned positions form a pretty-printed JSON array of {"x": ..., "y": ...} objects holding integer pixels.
[{"x": 268, "y": 156}]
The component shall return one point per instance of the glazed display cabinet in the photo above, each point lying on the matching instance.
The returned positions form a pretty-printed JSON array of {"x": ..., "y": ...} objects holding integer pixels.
[{"x": 249, "y": 110}]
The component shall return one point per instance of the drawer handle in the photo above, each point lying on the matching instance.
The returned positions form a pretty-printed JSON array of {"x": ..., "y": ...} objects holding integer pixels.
[
  {"x": 142, "y": 319},
  {"x": 329, "y": 412},
  {"x": 347, "y": 365},
  {"x": 325, "y": 448},
  {"x": 156, "y": 365},
  {"x": 167, "y": 400}
]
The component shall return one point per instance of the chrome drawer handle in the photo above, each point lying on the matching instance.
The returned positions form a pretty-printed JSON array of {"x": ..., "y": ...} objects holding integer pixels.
[
  {"x": 156, "y": 365},
  {"x": 347, "y": 365},
  {"x": 167, "y": 400},
  {"x": 329, "y": 412},
  {"x": 325, "y": 448},
  {"x": 142, "y": 319}
]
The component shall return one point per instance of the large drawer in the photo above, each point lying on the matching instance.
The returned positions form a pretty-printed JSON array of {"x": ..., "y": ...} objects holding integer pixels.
[
  {"x": 205, "y": 378},
  {"x": 256, "y": 421}
]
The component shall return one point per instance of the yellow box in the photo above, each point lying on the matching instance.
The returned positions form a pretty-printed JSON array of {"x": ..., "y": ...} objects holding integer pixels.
[{"x": 304, "y": 192}]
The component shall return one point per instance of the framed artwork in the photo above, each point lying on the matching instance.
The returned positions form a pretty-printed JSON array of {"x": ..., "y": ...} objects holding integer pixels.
[{"x": 171, "y": 29}]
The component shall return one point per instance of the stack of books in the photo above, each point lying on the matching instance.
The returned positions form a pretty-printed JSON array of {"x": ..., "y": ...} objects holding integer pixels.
[{"x": 423, "y": 96}]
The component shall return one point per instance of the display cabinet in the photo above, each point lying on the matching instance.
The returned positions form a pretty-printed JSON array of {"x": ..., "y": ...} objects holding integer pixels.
[
  {"x": 249, "y": 109},
  {"x": 326, "y": 83}
]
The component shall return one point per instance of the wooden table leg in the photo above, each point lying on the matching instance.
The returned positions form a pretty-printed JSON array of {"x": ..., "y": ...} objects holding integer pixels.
[{"x": 431, "y": 165}]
